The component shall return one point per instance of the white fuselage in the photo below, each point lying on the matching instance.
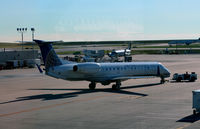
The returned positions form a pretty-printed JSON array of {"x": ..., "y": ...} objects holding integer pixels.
[
  {"x": 120, "y": 53},
  {"x": 106, "y": 72}
]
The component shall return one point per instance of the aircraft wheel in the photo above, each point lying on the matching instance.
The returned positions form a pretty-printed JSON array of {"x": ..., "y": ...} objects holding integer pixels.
[
  {"x": 194, "y": 112},
  {"x": 92, "y": 86},
  {"x": 162, "y": 81},
  {"x": 115, "y": 87},
  {"x": 179, "y": 79},
  {"x": 192, "y": 79}
]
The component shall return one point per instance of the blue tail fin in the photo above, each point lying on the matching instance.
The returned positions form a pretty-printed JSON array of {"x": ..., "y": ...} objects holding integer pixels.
[
  {"x": 49, "y": 56},
  {"x": 45, "y": 48}
]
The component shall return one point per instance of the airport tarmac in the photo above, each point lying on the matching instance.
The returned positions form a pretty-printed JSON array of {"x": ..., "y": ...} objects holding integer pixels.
[{"x": 30, "y": 100}]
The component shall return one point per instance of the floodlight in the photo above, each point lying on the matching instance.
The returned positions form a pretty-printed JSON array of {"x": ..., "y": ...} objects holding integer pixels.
[{"x": 32, "y": 29}]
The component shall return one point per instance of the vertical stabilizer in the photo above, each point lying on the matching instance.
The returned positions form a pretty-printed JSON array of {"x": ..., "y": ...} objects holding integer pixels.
[{"x": 49, "y": 56}]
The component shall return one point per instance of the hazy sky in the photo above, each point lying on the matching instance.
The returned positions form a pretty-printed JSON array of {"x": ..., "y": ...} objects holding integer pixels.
[{"x": 72, "y": 20}]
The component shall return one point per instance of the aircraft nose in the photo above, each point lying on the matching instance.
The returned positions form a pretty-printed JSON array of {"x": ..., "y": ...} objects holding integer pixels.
[{"x": 167, "y": 72}]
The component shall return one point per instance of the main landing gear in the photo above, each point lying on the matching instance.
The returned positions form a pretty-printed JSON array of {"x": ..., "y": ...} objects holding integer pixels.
[
  {"x": 116, "y": 86},
  {"x": 162, "y": 81},
  {"x": 92, "y": 85}
]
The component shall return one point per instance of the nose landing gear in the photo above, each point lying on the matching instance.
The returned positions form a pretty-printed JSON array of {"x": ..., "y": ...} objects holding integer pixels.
[
  {"x": 162, "y": 81},
  {"x": 92, "y": 85}
]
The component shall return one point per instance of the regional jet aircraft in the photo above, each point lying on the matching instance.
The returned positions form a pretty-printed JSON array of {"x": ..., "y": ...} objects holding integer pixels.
[
  {"x": 104, "y": 73},
  {"x": 184, "y": 42},
  {"x": 122, "y": 52}
]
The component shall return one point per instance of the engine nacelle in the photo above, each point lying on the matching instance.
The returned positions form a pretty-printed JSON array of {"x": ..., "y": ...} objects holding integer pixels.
[{"x": 86, "y": 68}]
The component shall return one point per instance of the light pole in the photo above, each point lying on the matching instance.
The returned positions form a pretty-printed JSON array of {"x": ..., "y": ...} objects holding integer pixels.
[
  {"x": 33, "y": 30},
  {"x": 22, "y": 30}
]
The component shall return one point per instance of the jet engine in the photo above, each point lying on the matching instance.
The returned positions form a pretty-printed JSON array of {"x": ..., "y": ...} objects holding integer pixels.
[{"x": 86, "y": 68}]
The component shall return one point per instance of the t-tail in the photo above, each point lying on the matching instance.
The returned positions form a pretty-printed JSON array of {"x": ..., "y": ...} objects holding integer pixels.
[{"x": 49, "y": 56}]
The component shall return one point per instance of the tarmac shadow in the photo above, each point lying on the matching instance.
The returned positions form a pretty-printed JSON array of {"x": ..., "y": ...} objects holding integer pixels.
[
  {"x": 40, "y": 96},
  {"x": 75, "y": 93},
  {"x": 190, "y": 119}
]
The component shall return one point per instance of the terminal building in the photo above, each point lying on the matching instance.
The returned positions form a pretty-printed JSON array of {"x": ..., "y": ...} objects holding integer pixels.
[{"x": 16, "y": 59}]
